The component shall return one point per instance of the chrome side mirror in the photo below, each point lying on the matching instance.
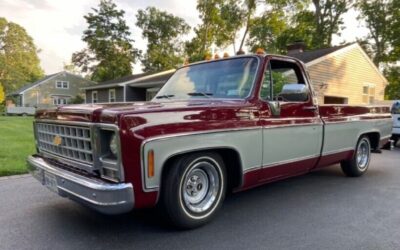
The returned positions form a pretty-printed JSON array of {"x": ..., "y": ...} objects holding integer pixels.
[{"x": 294, "y": 92}]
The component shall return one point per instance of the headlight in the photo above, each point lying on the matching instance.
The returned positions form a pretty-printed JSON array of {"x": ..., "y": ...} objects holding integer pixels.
[
  {"x": 114, "y": 145},
  {"x": 109, "y": 155}
]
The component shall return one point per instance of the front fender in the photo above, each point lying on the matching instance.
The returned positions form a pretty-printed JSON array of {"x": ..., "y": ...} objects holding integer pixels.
[{"x": 247, "y": 142}]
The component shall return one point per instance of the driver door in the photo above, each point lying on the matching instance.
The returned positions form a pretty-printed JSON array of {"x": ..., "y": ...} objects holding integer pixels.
[{"x": 292, "y": 128}]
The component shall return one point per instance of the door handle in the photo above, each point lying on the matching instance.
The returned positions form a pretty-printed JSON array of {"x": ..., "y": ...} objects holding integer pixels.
[{"x": 311, "y": 108}]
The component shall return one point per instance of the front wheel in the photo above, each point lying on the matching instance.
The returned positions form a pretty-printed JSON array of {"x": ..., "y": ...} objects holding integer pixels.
[
  {"x": 359, "y": 163},
  {"x": 194, "y": 189}
]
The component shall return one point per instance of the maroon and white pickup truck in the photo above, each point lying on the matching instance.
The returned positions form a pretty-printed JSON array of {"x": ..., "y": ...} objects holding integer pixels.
[{"x": 215, "y": 126}]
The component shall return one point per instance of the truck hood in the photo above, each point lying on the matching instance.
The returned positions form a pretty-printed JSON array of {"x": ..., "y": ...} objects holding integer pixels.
[{"x": 111, "y": 112}]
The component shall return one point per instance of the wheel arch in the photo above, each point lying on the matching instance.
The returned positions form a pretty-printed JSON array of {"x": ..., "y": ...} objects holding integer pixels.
[
  {"x": 230, "y": 156},
  {"x": 374, "y": 138}
]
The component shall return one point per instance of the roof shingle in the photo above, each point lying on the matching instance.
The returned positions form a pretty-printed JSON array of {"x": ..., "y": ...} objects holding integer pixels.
[
  {"x": 29, "y": 85},
  {"x": 311, "y": 55}
]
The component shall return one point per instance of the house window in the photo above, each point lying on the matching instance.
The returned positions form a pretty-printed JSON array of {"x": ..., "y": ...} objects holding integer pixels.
[
  {"x": 94, "y": 97},
  {"x": 58, "y": 100},
  {"x": 62, "y": 84},
  {"x": 111, "y": 95},
  {"x": 368, "y": 94}
]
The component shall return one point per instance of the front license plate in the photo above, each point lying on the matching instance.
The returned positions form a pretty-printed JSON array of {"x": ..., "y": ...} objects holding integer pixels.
[{"x": 50, "y": 182}]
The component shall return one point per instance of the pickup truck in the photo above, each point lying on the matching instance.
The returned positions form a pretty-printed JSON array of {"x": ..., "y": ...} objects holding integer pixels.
[{"x": 215, "y": 126}]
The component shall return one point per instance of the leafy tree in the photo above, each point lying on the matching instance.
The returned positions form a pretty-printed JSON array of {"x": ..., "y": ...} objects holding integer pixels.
[
  {"x": 71, "y": 68},
  {"x": 283, "y": 23},
  {"x": 302, "y": 28},
  {"x": 110, "y": 52},
  {"x": 163, "y": 32},
  {"x": 378, "y": 16},
  {"x": 206, "y": 32},
  {"x": 392, "y": 91},
  {"x": 2, "y": 95},
  {"x": 328, "y": 20},
  {"x": 231, "y": 20},
  {"x": 395, "y": 27},
  {"x": 266, "y": 32},
  {"x": 19, "y": 62},
  {"x": 250, "y": 9}
]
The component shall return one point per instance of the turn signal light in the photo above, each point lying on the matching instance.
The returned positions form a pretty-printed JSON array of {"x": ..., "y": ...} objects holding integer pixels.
[{"x": 150, "y": 164}]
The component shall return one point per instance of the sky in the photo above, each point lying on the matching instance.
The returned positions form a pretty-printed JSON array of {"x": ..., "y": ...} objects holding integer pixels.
[{"x": 56, "y": 26}]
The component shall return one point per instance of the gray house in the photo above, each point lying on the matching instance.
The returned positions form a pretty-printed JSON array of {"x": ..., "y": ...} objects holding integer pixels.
[
  {"x": 138, "y": 87},
  {"x": 52, "y": 90}
]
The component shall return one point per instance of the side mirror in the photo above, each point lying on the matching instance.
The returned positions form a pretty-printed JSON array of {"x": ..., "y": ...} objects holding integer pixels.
[{"x": 294, "y": 92}]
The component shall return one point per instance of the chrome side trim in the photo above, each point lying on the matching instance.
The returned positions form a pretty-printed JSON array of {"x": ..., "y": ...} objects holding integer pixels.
[
  {"x": 327, "y": 122},
  {"x": 278, "y": 163},
  {"x": 97, "y": 194},
  {"x": 337, "y": 151},
  {"x": 163, "y": 137}
]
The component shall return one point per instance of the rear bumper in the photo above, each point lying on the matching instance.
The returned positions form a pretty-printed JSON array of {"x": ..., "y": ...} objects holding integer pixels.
[{"x": 99, "y": 195}]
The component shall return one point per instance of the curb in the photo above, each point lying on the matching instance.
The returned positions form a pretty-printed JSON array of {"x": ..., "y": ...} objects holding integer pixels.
[{"x": 11, "y": 177}]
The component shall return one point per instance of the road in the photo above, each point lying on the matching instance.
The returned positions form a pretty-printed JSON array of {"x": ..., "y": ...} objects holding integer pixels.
[{"x": 321, "y": 210}]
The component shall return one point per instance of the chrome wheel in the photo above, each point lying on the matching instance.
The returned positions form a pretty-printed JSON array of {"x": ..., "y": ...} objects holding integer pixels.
[
  {"x": 201, "y": 186},
  {"x": 363, "y": 154}
]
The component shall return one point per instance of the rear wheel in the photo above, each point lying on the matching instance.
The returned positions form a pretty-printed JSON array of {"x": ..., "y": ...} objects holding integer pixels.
[
  {"x": 359, "y": 163},
  {"x": 194, "y": 189}
]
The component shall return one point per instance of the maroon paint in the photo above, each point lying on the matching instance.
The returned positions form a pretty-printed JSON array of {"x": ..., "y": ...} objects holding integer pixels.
[
  {"x": 327, "y": 160},
  {"x": 267, "y": 174}
]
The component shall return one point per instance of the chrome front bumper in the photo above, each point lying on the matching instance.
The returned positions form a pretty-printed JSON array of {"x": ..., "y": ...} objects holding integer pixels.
[{"x": 99, "y": 195}]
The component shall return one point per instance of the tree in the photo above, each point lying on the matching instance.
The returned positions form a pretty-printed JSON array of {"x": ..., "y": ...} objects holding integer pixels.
[
  {"x": 378, "y": 16},
  {"x": 395, "y": 28},
  {"x": 231, "y": 20},
  {"x": 2, "y": 95},
  {"x": 328, "y": 20},
  {"x": 110, "y": 53},
  {"x": 392, "y": 91},
  {"x": 163, "y": 32},
  {"x": 302, "y": 28},
  {"x": 250, "y": 9},
  {"x": 266, "y": 32},
  {"x": 71, "y": 68},
  {"x": 19, "y": 62},
  {"x": 205, "y": 34}
]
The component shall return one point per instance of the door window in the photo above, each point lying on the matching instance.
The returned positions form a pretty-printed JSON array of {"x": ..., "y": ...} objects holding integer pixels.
[{"x": 278, "y": 74}]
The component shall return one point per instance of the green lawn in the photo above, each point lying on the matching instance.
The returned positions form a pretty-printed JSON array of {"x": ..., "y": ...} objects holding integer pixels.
[{"x": 16, "y": 143}]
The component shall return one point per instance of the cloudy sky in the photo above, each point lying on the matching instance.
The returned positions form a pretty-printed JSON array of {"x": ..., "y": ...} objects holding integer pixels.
[{"x": 57, "y": 25}]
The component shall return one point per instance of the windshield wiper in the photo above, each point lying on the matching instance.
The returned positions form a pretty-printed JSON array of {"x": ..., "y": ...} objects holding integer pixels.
[
  {"x": 208, "y": 95},
  {"x": 164, "y": 96}
]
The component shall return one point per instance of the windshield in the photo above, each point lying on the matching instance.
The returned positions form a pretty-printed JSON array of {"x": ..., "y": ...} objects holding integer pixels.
[
  {"x": 396, "y": 108},
  {"x": 231, "y": 78}
]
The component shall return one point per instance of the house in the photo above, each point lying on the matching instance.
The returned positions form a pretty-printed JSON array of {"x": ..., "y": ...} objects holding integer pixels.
[
  {"x": 52, "y": 90},
  {"x": 137, "y": 87},
  {"x": 342, "y": 74}
]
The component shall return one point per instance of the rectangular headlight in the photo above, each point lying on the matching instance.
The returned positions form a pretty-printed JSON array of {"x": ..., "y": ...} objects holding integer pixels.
[{"x": 109, "y": 154}]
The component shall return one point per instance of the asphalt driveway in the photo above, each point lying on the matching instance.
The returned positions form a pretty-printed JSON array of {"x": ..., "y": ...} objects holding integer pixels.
[{"x": 321, "y": 210}]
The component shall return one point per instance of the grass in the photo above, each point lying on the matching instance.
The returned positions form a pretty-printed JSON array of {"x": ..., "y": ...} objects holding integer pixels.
[{"x": 16, "y": 143}]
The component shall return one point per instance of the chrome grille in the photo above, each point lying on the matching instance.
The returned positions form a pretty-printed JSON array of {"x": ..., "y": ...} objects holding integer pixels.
[{"x": 74, "y": 142}]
